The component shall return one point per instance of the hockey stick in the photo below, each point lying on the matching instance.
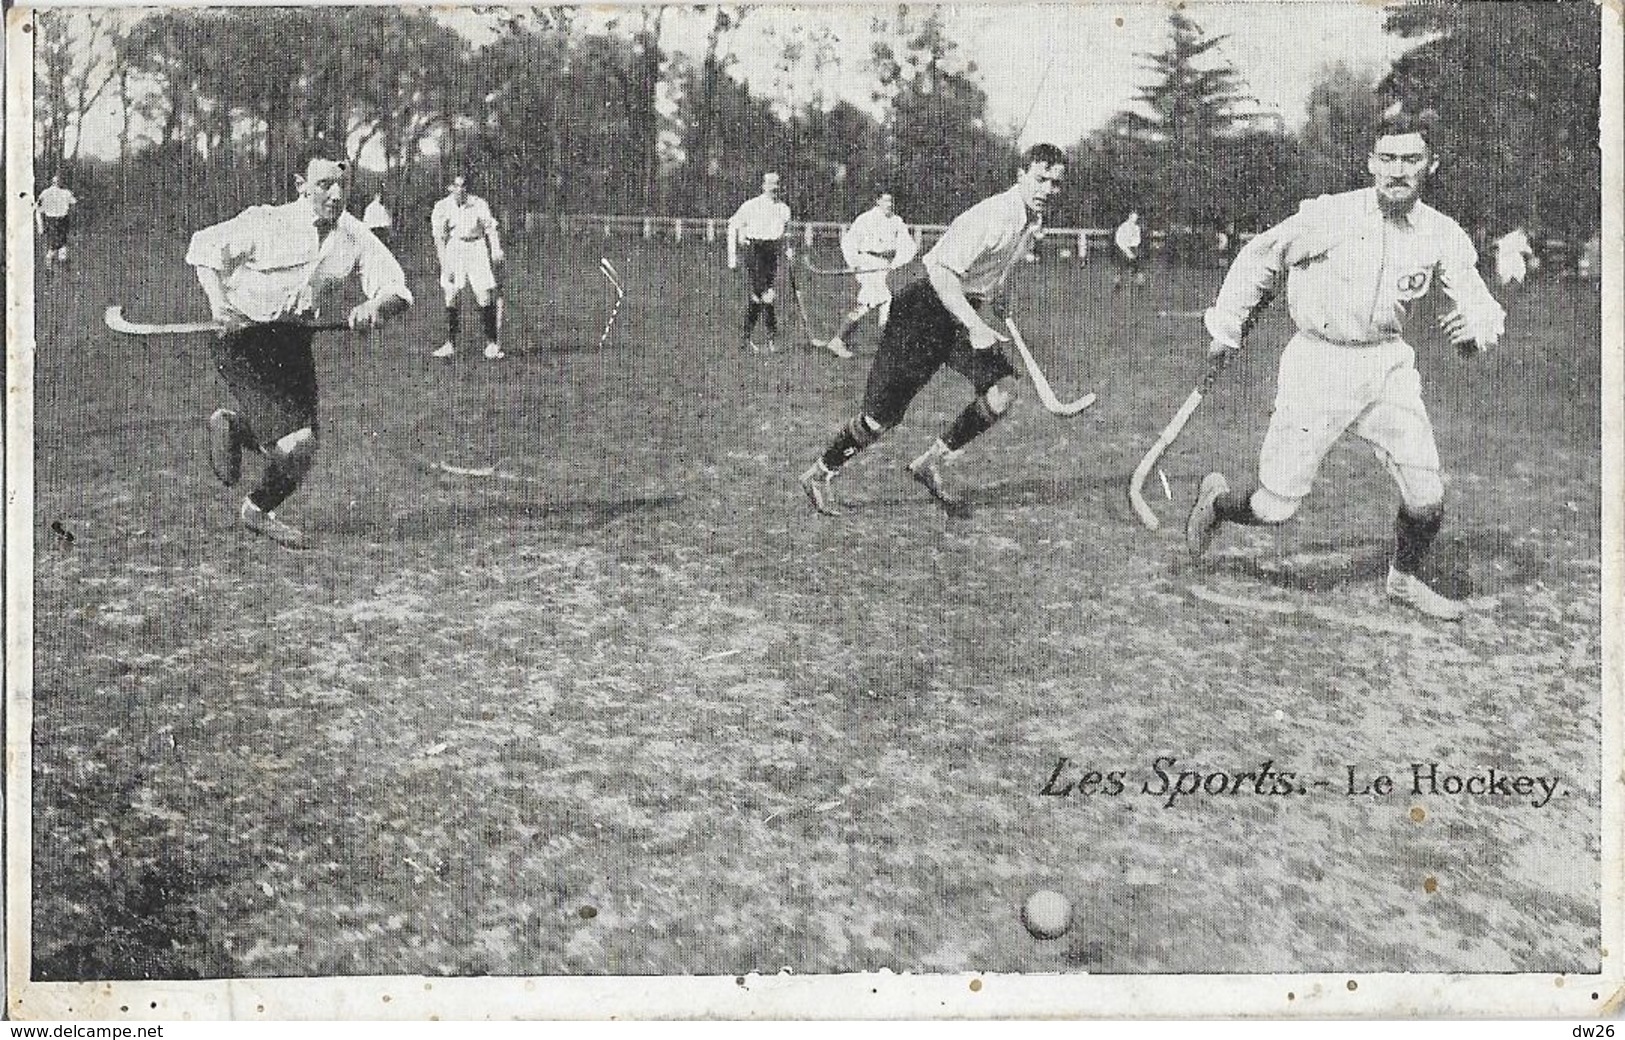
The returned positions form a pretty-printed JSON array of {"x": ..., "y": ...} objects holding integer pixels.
[
  {"x": 815, "y": 269},
  {"x": 1046, "y": 393},
  {"x": 114, "y": 317},
  {"x": 801, "y": 308},
  {"x": 1136, "y": 484},
  {"x": 607, "y": 269}
]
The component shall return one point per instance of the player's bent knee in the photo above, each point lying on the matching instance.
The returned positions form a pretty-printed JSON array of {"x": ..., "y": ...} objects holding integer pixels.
[
  {"x": 1272, "y": 508},
  {"x": 768, "y": 296},
  {"x": 866, "y": 429},
  {"x": 298, "y": 447},
  {"x": 1000, "y": 397},
  {"x": 1422, "y": 492}
]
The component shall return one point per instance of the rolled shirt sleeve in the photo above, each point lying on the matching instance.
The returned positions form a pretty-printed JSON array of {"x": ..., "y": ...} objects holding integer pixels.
[
  {"x": 381, "y": 273},
  {"x": 1461, "y": 282}
]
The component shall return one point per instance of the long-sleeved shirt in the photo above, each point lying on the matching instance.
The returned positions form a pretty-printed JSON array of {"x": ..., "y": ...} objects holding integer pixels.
[
  {"x": 760, "y": 218},
  {"x": 1127, "y": 238},
  {"x": 55, "y": 202},
  {"x": 468, "y": 221},
  {"x": 275, "y": 265},
  {"x": 1352, "y": 273},
  {"x": 878, "y": 236},
  {"x": 984, "y": 242}
]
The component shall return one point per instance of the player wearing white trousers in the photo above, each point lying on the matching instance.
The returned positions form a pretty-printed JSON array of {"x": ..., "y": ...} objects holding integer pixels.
[
  {"x": 877, "y": 243},
  {"x": 469, "y": 249},
  {"x": 1354, "y": 264}
]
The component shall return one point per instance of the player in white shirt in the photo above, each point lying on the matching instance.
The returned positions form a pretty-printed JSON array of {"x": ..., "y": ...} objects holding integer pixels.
[
  {"x": 269, "y": 274},
  {"x": 1129, "y": 240},
  {"x": 934, "y": 323},
  {"x": 877, "y": 243},
  {"x": 757, "y": 230},
  {"x": 376, "y": 217},
  {"x": 1354, "y": 264},
  {"x": 1513, "y": 252},
  {"x": 51, "y": 216},
  {"x": 470, "y": 250}
]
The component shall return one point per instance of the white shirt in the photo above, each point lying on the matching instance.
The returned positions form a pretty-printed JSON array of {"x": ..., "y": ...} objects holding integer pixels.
[
  {"x": 275, "y": 266},
  {"x": 1128, "y": 237},
  {"x": 985, "y": 241},
  {"x": 878, "y": 239},
  {"x": 1512, "y": 253},
  {"x": 759, "y": 219},
  {"x": 376, "y": 214},
  {"x": 1352, "y": 274},
  {"x": 54, "y": 202},
  {"x": 468, "y": 222}
]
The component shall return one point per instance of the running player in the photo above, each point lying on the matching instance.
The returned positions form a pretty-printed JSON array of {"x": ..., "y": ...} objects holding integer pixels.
[
  {"x": 1354, "y": 264},
  {"x": 877, "y": 243},
  {"x": 934, "y": 322},
  {"x": 757, "y": 229},
  {"x": 470, "y": 250},
  {"x": 1129, "y": 240},
  {"x": 269, "y": 273}
]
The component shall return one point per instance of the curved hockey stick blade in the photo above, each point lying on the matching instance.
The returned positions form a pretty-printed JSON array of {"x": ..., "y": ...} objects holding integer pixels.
[
  {"x": 1170, "y": 433},
  {"x": 115, "y": 320},
  {"x": 1046, "y": 393}
]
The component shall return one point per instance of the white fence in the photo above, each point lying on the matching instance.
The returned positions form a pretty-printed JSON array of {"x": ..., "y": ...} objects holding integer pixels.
[{"x": 713, "y": 229}]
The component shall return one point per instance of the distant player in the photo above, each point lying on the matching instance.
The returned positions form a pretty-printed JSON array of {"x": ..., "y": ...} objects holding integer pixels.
[
  {"x": 1354, "y": 264},
  {"x": 756, "y": 230},
  {"x": 1129, "y": 241},
  {"x": 377, "y": 218},
  {"x": 269, "y": 274},
  {"x": 51, "y": 215},
  {"x": 934, "y": 322},
  {"x": 470, "y": 250},
  {"x": 1513, "y": 252},
  {"x": 877, "y": 243}
]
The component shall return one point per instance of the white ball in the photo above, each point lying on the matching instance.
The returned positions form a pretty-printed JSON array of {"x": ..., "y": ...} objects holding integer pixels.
[{"x": 1047, "y": 914}]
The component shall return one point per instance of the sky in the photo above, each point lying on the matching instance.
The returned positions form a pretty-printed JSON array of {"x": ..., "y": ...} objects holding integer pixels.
[{"x": 1056, "y": 70}]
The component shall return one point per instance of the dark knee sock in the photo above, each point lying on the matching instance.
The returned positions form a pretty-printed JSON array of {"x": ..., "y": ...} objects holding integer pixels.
[
  {"x": 975, "y": 420},
  {"x": 488, "y": 322},
  {"x": 770, "y": 318},
  {"x": 1413, "y": 535},
  {"x": 853, "y": 438},
  {"x": 752, "y": 311},
  {"x": 452, "y": 323},
  {"x": 283, "y": 475},
  {"x": 1236, "y": 507}
]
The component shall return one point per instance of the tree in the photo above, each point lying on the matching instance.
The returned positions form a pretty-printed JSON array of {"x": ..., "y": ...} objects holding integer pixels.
[
  {"x": 1342, "y": 111},
  {"x": 76, "y": 60},
  {"x": 1517, "y": 87},
  {"x": 1190, "y": 109}
]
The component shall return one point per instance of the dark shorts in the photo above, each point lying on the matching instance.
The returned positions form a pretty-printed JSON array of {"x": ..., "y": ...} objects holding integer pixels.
[
  {"x": 921, "y": 337},
  {"x": 761, "y": 265},
  {"x": 56, "y": 231},
  {"x": 271, "y": 371}
]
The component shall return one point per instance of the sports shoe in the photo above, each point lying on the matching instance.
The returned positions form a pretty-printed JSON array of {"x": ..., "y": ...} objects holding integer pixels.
[
  {"x": 929, "y": 475},
  {"x": 838, "y": 348},
  {"x": 819, "y": 485},
  {"x": 264, "y": 521},
  {"x": 750, "y": 345},
  {"x": 225, "y": 447},
  {"x": 445, "y": 352},
  {"x": 1204, "y": 523},
  {"x": 493, "y": 352},
  {"x": 772, "y": 345},
  {"x": 1414, "y": 592}
]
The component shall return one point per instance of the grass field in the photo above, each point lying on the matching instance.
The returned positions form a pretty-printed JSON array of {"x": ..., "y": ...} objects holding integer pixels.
[{"x": 631, "y": 708}]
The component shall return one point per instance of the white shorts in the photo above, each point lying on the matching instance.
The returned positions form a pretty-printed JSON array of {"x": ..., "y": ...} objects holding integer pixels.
[
  {"x": 873, "y": 289},
  {"x": 467, "y": 264},
  {"x": 1325, "y": 389}
]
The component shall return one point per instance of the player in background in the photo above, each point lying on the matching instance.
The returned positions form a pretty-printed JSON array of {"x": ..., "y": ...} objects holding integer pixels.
[
  {"x": 269, "y": 274},
  {"x": 1513, "y": 252},
  {"x": 1129, "y": 239},
  {"x": 757, "y": 230},
  {"x": 877, "y": 243},
  {"x": 935, "y": 322},
  {"x": 51, "y": 218},
  {"x": 470, "y": 250},
  {"x": 1354, "y": 264},
  {"x": 377, "y": 218}
]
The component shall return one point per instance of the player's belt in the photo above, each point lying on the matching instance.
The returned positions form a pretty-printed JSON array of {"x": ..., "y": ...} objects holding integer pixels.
[
  {"x": 1353, "y": 343},
  {"x": 882, "y": 254}
]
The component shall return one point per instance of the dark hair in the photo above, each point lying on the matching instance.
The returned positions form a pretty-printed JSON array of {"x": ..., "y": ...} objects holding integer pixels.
[
  {"x": 1397, "y": 119},
  {"x": 321, "y": 148},
  {"x": 1046, "y": 153}
]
